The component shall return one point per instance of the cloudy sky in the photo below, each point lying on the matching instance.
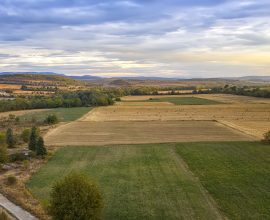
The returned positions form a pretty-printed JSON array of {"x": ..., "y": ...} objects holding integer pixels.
[{"x": 172, "y": 38}]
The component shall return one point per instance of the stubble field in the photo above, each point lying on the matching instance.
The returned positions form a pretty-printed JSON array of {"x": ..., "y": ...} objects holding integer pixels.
[{"x": 140, "y": 121}]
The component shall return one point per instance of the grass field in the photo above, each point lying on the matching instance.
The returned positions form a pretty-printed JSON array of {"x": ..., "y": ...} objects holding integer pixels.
[
  {"x": 237, "y": 175},
  {"x": 137, "y": 182},
  {"x": 159, "y": 181},
  {"x": 63, "y": 114},
  {"x": 185, "y": 100}
]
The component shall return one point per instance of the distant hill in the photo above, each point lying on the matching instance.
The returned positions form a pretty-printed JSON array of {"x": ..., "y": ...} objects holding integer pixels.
[
  {"x": 37, "y": 79},
  {"x": 85, "y": 77},
  {"x": 255, "y": 78},
  {"x": 150, "y": 78},
  {"x": 119, "y": 82},
  {"x": 29, "y": 73}
]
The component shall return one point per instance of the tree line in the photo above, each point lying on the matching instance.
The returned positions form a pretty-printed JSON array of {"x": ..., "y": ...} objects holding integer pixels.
[
  {"x": 234, "y": 90},
  {"x": 67, "y": 100}
]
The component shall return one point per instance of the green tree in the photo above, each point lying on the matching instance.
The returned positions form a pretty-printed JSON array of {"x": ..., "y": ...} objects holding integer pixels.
[
  {"x": 76, "y": 197},
  {"x": 25, "y": 135},
  {"x": 10, "y": 139},
  {"x": 40, "y": 148},
  {"x": 33, "y": 139}
]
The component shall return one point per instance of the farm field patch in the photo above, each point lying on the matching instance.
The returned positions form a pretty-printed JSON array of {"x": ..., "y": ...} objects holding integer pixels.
[
  {"x": 237, "y": 175},
  {"x": 63, "y": 114},
  {"x": 183, "y": 100},
  {"x": 137, "y": 181},
  {"x": 22, "y": 112},
  {"x": 250, "y": 116},
  {"x": 132, "y": 132}
]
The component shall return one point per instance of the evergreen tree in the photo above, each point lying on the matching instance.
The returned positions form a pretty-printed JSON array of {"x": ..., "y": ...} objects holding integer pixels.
[
  {"x": 40, "y": 148},
  {"x": 33, "y": 139},
  {"x": 10, "y": 140}
]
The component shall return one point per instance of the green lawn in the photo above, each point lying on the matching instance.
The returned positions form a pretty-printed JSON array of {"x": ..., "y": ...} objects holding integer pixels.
[
  {"x": 237, "y": 175},
  {"x": 152, "y": 181},
  {"x": 137, "y": 181},
  {"x": 185, "y": 101},
  {"x": 63, "y": 114}
]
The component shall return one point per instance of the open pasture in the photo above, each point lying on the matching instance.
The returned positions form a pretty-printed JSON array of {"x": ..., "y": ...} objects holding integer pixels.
[
  {"x": 169, "y": 181},
  {"x": 63, "y": 114},
  {"x": 237, "y": 175},
  {"x": 137, "y": 182}
]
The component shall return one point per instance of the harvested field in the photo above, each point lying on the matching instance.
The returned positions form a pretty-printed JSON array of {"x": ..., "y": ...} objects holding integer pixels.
[
  {"x": 224, "y": 98},
  {"x": 132, "y": 132},
  {"x": 177, "y": 100},
  {"x": 153, "y": 122},
  {"x": 10, "y": 86}
]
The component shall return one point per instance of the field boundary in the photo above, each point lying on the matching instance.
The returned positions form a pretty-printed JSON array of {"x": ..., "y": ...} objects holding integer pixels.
[
  {"x": 210, "y": 200},
  {"x": 238, "y": 128}
]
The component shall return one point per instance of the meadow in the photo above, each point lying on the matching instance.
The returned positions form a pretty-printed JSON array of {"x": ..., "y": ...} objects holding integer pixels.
[
  {"x": 137, "y": 182},
  {"x": 237, "y": 175},
  {"x": 204, "y": 180},
  {"x": 63, "y": 114}
]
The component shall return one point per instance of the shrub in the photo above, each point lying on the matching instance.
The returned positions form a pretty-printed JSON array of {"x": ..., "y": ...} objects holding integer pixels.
[
  {"x": 51, "y": 119},
  {"x": 25, "y": 135},
  {"x": 10, "y": 139},
  {"x": 266, "y": 137},
  {"x": 75, "y": 197},
  {"x": 2, "y": 138},
  {"x": 17, "y": 157},
  {"x": 11, "y": 180},
  {"x": 26, "y": 164},
  {"x": 3, "y": 154},
  {"x": 118, "y": 99}
]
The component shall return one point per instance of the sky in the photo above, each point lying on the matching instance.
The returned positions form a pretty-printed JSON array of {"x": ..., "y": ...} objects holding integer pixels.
[{"x": 165, "y": 38}]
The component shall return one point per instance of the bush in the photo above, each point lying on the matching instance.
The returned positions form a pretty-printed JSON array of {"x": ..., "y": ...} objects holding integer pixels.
[
  {"x": 266, "y": 137},
  {"x": 51, "y": 119},
  {"x": 75, "y": 197},
  {"x": 26, "y": 164},
  {"x": 11, "y": 180},
  {"x": 17, "y": 157},
  {"x": 3, "y": 154},
  {"x": 2, "y": 139},
  {"x": 118, "y": 99},
  {"x": 25, "y": 135}
]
